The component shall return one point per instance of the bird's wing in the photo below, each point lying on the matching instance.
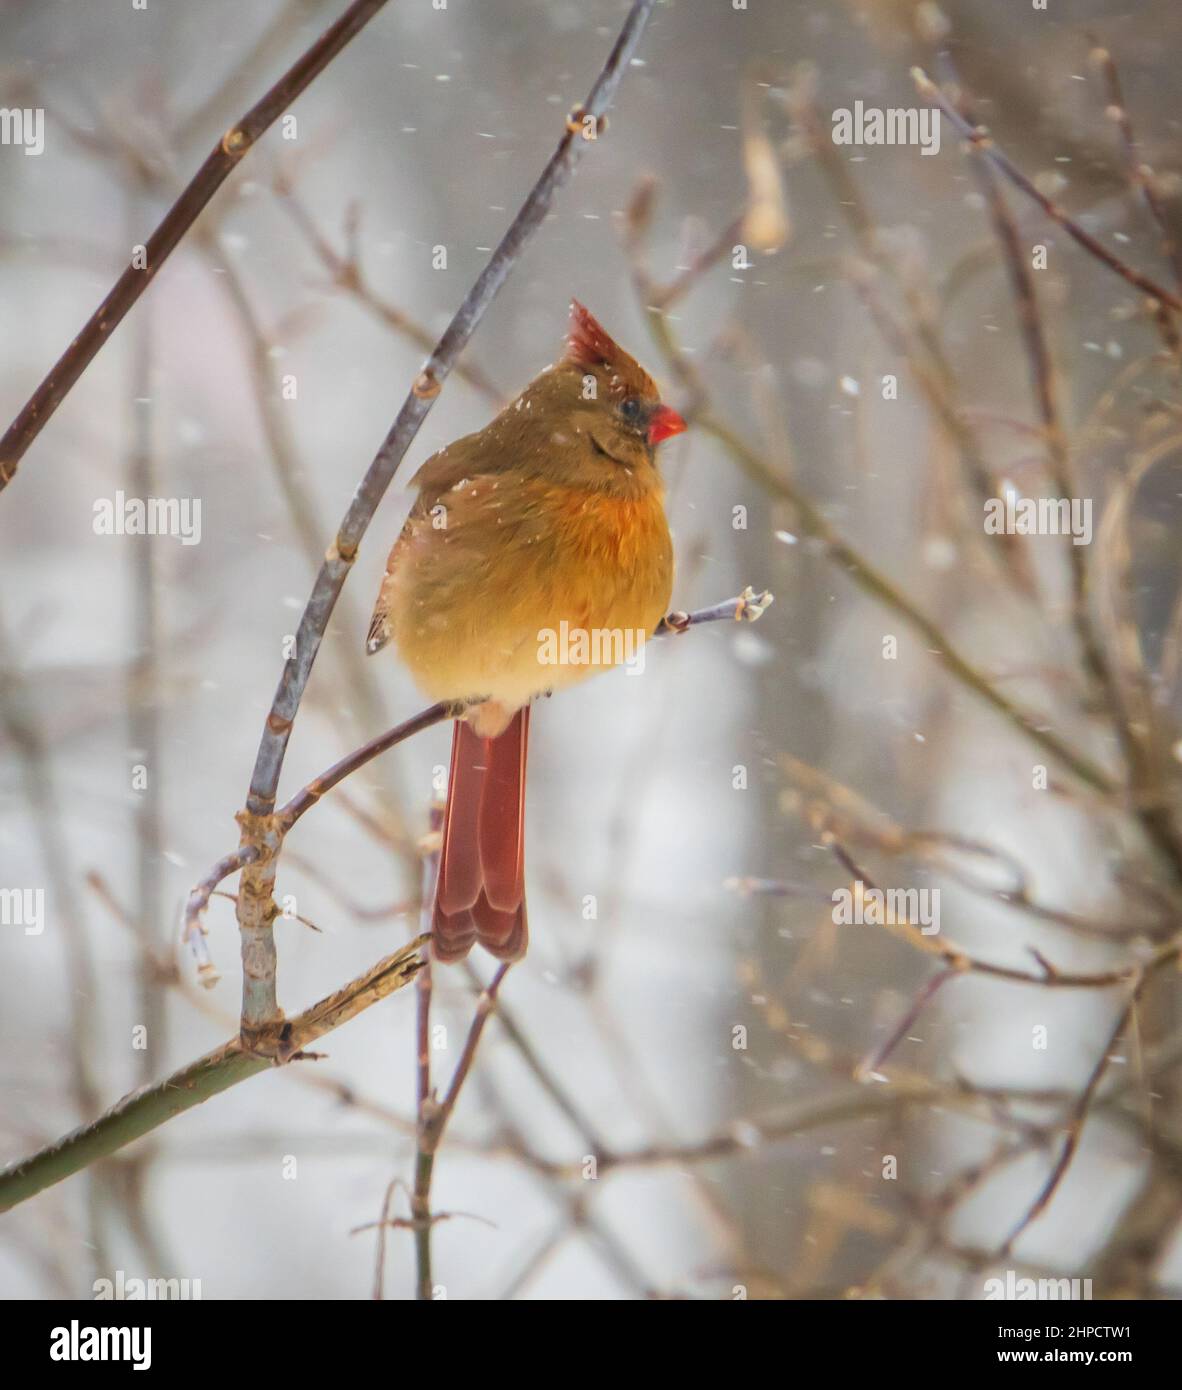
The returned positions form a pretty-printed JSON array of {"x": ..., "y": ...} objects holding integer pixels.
[
  {"x": 379, "y": 624},
  {"x": 497, "y": 448},
  {"x": 475, "y": 455}
]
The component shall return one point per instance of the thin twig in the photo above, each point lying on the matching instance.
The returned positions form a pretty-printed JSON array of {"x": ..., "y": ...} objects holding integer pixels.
[
  {"x": 1047, "y": 976},
  {"x": 1141, "y": 176},
  {"x": 981, "y": 138},
  {"x": 383, "y": 1226},
  {"x": 1145, "y": 786},
  {"x": 308, "y": 796},
  {"x": 347, "y": 273},
  {"x": 433, "y": 1120},
  {"x": 1076, "y": 1121},
  {"x": 871, "y": 1063},
  {"x": 193, "y": 931}
]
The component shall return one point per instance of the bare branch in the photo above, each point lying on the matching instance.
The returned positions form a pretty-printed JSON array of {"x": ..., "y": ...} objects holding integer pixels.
[
  {"x": 1141, "y": 176},
  {"x": 982, "y": 140},
  {"x": 218, "y": 165}
]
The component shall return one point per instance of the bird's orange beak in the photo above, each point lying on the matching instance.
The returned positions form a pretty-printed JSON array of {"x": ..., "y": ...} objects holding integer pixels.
[{"x": 663, "y": 424}]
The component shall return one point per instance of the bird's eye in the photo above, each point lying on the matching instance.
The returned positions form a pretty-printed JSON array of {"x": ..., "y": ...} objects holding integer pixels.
[{"x": 630, "y": 409}]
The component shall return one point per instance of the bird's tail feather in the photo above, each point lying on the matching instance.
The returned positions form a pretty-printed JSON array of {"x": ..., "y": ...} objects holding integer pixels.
[{"x": 480, "y": 893}]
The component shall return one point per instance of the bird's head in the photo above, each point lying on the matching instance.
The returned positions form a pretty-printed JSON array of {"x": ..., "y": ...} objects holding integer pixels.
[
  {"x": 604, "y": 416},
  {"x": 615, "y": 398}
]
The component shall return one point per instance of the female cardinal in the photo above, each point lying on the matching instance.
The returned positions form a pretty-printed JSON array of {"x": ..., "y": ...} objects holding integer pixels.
[{"x": 549, "y": 520}]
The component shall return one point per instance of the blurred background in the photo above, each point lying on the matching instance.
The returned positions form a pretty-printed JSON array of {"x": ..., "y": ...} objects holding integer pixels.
[{"x": 787, "y": 1113}]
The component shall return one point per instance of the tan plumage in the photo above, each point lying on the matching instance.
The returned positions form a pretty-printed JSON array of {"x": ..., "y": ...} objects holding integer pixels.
[{"x": 552, "y": 514}]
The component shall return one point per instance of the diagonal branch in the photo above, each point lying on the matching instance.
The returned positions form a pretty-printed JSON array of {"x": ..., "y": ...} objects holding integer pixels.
[
  {"x": 1077, "y": 1119},
  {"x": 348, "y": 275},
  {"x": 1141, "y": 176},
  {"x": 980, "y": 139},
  {"x": 218, "y": 165},
  {"x": 143, "y": 1111}
]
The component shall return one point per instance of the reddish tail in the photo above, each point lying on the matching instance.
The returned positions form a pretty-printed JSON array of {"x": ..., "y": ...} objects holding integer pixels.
[{"x": 480, "y": 896}]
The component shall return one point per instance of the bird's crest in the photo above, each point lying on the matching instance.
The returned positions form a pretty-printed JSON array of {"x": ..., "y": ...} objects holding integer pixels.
[{"x": 589, "y": 345}]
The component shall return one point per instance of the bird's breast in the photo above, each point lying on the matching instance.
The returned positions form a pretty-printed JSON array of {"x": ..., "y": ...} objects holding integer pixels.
[{"x": 492, "y": 601}]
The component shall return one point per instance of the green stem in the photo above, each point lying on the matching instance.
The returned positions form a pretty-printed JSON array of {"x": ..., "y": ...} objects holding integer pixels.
[
  {"x": 133, "y": 1117},
  {"x": 142, "y": 1111},
  {"x": 421, "y": 1214}
]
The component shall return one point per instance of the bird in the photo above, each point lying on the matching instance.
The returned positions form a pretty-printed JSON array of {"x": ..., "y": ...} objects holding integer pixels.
[{"x": 548, "y": 521}]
